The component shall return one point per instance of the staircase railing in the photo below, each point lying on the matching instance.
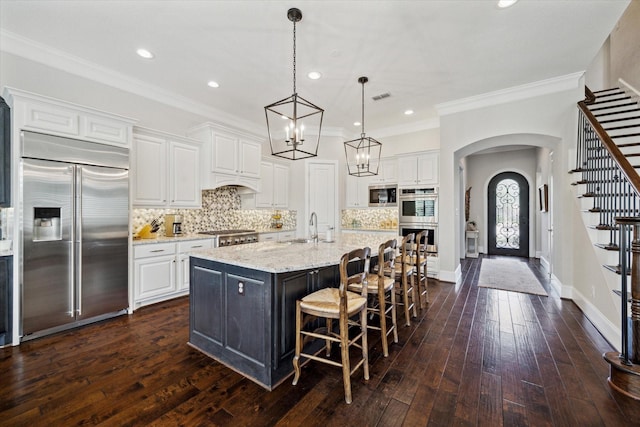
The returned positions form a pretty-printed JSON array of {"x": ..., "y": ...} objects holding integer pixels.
[{"x": 614, "y": 184}]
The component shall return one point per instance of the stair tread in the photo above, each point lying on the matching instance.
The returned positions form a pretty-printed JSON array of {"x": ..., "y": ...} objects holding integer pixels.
[{"x": 608, "y": 246}]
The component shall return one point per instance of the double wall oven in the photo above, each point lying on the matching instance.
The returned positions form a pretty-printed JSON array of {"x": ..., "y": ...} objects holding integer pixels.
[{"x": 418, "y": 211}]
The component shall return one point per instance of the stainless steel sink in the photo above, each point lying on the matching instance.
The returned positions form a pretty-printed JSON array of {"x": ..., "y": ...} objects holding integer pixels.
[{"x": 301, "y": 241}]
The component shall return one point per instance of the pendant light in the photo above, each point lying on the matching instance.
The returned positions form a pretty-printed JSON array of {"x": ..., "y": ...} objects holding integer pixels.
[
  {"x": 363, "y": 154},
  {"x": 293, "y": 122}
]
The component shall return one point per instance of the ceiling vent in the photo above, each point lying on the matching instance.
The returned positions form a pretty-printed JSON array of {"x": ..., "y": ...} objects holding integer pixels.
[{"x": 381, "y": 96}]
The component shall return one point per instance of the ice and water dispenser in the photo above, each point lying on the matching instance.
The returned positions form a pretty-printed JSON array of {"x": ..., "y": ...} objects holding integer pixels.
[{"x": 46, "y": 224}]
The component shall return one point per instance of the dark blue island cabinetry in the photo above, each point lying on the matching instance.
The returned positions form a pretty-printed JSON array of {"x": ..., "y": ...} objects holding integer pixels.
[
  {"x": 6, "y": 296},
  {"x": 245, "y": 318}
]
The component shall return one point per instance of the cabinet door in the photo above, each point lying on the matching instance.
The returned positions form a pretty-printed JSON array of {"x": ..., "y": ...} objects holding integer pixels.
[
  {"x": 428, "y": 172},
  {"x": 386, "y": 172},
  {"x": 247, "y": 304},
  {"x": 224, "y": 151},
  {"x": 390, "y": 171},
  {"x": 183, "y": 260},
  {"x": 357, "y": 191},
  {"x": 154, "y": 276},
  {"x": 249, "y": 155},
  {"x": 150, "y": 163},
  {"x": 184, "y": 161},
  {"x": 6, "y": 300},
  {"x": 264, "y": 198},
  {"x": 280, "y": 186},
  {"x": 5, "y": 154},
  {"x": 407, "y": 171}
]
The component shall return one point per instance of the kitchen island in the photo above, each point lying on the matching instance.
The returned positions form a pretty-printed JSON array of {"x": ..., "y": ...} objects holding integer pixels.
[{"x": 242, "y": 299}]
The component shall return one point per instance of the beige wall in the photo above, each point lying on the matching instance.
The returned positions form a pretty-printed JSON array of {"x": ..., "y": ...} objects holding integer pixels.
[{"x": 625, "y": 47}]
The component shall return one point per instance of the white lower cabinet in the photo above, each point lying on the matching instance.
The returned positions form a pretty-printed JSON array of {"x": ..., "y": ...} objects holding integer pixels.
[
  {"x": 161, "y": 270},
  {"x": 276, "y": 236}
]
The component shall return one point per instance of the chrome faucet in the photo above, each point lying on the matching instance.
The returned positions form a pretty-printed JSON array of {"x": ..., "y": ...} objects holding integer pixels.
[{"x": 314, "y": 222}]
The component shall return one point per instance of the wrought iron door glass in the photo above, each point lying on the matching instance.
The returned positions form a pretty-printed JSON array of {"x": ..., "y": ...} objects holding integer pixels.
[{"x": 507, "y": 214}]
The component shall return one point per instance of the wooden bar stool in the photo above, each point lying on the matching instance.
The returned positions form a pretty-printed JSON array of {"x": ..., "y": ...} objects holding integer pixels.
[
  {"x": 341, "y": 304},
  {"x": 382, "y": 297},
  {"x": 420, "y": 268},
  {"x": 404, "y": 278}
]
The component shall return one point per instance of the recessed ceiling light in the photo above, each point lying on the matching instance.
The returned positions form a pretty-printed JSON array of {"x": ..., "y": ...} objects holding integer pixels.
[
  {"x": 213, "y": 84},
  {"x": 408, "y": 112},
  {"x": 506, "y": 3},
  {"x": 314, "y": 75},
  {"x": 357, "y": 123},
  {"x": 144, "y": 53}
]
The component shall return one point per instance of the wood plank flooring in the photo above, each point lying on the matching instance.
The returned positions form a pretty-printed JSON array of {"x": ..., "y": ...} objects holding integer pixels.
[{"x": 476, "y": 356}]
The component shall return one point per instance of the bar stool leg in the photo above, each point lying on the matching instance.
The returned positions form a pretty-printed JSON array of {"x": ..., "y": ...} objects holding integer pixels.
[
  {"x": 394, "y": 317},
  {"x": 405, "y": 299},
  {"x": 414, "y": 297},
  {"x": 365, "y": 343},
  {"x": 329, "y": 325},
  {"x": 383, "y": 323},
  {"x": 296, "y": 358},
  {"x": 344, "y": 352}
]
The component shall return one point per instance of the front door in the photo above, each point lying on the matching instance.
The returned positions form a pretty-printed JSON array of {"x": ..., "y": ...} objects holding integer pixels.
[{"x": 508, "y": 227}]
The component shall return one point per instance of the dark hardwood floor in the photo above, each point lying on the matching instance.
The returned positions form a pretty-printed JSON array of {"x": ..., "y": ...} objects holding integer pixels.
[{"x": 476, "y": 356}]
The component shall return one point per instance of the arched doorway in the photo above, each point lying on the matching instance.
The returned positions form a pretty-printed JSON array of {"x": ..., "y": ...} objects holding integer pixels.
[{"x": 508, "y": 219}]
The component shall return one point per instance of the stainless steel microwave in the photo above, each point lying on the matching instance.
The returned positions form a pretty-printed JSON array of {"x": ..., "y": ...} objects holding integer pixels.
[{"x": 383, "y": 195}]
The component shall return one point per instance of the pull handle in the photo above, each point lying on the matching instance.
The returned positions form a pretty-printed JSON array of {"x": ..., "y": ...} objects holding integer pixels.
[{"x": 79, "y": 236}]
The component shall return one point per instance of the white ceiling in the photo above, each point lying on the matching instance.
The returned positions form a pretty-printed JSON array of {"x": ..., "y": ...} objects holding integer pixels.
[{"x": 422, "y": 52}]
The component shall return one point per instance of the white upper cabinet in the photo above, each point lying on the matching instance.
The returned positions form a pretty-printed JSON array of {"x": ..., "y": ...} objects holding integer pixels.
[
  {"x": 184, "y": 163},
  {"x": 387, "y": 172},
  {"x": 55, "y": 117},
  {"x": 228, "y": 157},
  {"x": 165, "y": 170},
  {"x": 357, "y": 194},
  {"x": 418, "y": 169},
  {"x": 274, "y": 188}
]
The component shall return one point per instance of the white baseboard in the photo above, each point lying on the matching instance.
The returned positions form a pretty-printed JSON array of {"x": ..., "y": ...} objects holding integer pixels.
[
  {"x": 546, "y": 264},
  {"x": 611, "y": 332},
  {"x": 451, "y": 276}
]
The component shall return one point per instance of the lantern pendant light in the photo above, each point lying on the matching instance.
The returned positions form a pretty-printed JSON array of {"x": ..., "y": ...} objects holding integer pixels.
[
  {"x": 293, "y": 122},
  {"x": 363, "y": 154}
]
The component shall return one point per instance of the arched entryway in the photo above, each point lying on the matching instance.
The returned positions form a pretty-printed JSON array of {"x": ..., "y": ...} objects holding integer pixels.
[{"x": 508, "y": 219}]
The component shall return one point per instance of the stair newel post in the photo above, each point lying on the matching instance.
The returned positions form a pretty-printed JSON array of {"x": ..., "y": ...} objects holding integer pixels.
[
  {"x": 635, "y": 294},
  {"x": 624, "y": 224}
]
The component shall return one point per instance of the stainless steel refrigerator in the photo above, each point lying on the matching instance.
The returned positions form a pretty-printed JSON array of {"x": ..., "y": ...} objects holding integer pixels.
[{"x": 75, "y": 216}]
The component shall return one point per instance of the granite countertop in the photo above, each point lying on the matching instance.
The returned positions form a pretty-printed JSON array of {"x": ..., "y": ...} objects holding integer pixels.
[
  {"x": 196, "y": 236},
  {"x": 164, "y": 239},
  {"x": 274, "y": 230},
  {"x": 280, "y": 257},
  {"x": 372, "y": 230},
  {"x": 6, "y": 253}
]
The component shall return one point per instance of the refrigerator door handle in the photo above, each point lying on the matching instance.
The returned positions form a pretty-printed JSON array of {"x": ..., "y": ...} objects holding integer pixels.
[
  {"x": 72, "y": 257},
  {"x": 78, "y": 213}
]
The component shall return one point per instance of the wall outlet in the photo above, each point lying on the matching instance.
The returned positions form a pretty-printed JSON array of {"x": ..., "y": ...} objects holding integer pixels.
[{"x": 241, "y": 288}]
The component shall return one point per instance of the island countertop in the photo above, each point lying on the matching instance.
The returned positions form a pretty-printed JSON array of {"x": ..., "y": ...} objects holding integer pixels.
[{"x": 281, "y": 257}]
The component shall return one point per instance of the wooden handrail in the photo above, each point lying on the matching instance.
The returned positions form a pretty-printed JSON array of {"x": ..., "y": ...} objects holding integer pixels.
[{"x": 617, "y": 156}]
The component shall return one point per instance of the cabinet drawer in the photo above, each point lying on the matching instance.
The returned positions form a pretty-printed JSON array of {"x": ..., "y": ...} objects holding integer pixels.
[
  {"x": 194, "y": 245},
  {"x": 52, "y": 118},
  {"x": 106, "y": 130},
  {"x": 286, "y": 235},
  {"x": 267, "y": 237},
  {"x": 157, "y": 249}
]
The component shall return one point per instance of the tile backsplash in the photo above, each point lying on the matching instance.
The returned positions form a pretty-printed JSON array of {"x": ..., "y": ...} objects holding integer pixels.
[
  {"x": 369, "y": 218},
  {"x": 221, "y": 210}
]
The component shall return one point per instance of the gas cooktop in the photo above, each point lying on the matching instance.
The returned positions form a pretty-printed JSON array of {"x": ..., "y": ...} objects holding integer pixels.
[
  {"x": 226, "y": 232},
  {"x": 232, "y": 237}
]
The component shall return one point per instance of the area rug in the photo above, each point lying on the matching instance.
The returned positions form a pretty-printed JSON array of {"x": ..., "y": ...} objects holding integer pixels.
[{"x": 509, "y": 275}]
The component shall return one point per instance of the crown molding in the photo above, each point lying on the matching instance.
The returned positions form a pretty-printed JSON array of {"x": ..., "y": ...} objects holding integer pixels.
[
  {"x": 428, "y": 124},
  {"x": 47, "y": 55},
  {"x": 516, "y": 93}
]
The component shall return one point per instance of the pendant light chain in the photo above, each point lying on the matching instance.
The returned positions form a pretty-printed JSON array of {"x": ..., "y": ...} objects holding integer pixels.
[
  {"x": 362, "y": 134},
  {"x": 294, "y": 56}
]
